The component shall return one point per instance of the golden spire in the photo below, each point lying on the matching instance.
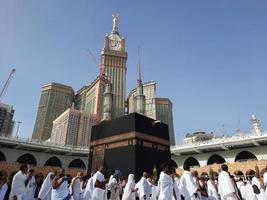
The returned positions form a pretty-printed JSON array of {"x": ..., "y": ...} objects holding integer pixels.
[{"x": 115, "y": 23}]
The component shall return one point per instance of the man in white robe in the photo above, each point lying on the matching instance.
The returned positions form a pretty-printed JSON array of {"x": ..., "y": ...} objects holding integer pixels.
[
  {"x": 249, "y": 192},
  {"x": 76, "y": 187},
  {"x": 165, "y": 184},
  {"x": 212, "y": 190},
  {"x": 188, "y": 187},
  {"x": 29, "y": 195},
  {"x": 99, "y": 185},
  {"x": 19, "y": 184},
  {"x": 46, "y": 189},
  {"x": 258, "y": 182},
  {"x": 107, "y": 188},
  {"x": 239, "y": 183},
  {"x": 225, "y": 186},
  {"x": 154, "y": 188},
  {"x": 88, "y": 192},
  {"x": 144, "y": 188},
  {"x": 60, "y": 190}
]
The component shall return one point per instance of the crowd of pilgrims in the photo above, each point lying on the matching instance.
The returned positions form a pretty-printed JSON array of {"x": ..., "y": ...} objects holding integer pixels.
[{"x": 168, "y": 186}]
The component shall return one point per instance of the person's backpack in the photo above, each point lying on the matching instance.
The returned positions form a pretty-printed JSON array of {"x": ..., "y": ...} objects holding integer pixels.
[{"x": 256, "y": 189}]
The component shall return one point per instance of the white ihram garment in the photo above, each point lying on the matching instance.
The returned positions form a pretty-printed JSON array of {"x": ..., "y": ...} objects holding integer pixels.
[
  {"x": 18, "y": 187},
  {"x": 29, "y": 195},
  {"x": 98, "y": 193},
  {"x": 262, "y": 195},
  {"x": 187, "y": 186},
  {"x": 165, "y": 185},
  {"x": 61, "y": 191},
  {"x": 212, "y": 192},
  {"x": 176, "y": 188},
  {"x": 88, "y": 192},
  {"x": 46, "y": 189},
  {"x": 130, "y": 186},
  {"x": 225, "y": 187},
  {"x": 247, "y": 192},
  {"x": 77, "y": 193},
  {"x": 144, "y": 189}
]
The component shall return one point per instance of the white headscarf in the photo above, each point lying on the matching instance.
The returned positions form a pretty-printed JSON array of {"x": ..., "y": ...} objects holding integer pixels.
[
  {"x": 45, "y": 191},
  {"x": 130, "y": 186},
  {"x": 87, "y": 195}
]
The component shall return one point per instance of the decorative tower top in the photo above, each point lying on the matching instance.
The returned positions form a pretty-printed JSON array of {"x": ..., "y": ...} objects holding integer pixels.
[
  {"x": 256, "y": 126},
  {"x": 107, "y": 102},
  {"x": 140, "y": 97},
  {"x": 115, "y": 24},
  {"x": 139, "y": 80},
  {"x": 139, "y": 66}
]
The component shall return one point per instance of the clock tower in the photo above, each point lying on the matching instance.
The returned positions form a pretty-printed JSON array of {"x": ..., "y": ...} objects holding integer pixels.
[{"x": 113, "y": 61}]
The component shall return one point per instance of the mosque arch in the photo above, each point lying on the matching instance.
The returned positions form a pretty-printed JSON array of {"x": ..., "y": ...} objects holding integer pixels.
[
  {"x": 192, "y": 162},
  {"x": 2, "y": 156},
  {"x": 215, "y": 159},
  {"x": 27, "y": 159},
  {"x": 53, "y": 162},
  {"x": 77, "y": 163},
  {"x": 245, "y": 156}
]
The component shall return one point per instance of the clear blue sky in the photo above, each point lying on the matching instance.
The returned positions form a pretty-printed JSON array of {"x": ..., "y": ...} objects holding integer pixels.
[{"x": 209, "y": 57}]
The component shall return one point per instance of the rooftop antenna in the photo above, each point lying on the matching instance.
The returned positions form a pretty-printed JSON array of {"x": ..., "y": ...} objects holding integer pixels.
[
  {"x": 139, "y": 65},
  {"x": 99, "y": 65}
]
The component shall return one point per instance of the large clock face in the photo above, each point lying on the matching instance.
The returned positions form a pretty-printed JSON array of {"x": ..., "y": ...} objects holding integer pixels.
[
  {"x": 114, "y": 45},
  {"x": 114, "y": 42}
]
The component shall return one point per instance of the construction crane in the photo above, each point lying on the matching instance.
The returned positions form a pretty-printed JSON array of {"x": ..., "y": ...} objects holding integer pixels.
[
  {"x": 7, "y": 83},
  {"x": 100, "y": 97},
  {"x": 99, "y": 65}
]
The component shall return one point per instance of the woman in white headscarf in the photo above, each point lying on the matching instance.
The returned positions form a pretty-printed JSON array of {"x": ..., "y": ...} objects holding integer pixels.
[
  {"x": 129, "y": 191},
  {"x": 46, "y": 189}
]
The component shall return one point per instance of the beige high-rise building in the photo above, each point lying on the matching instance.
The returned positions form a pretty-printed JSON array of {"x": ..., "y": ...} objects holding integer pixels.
[
  {"x": 149, "y": 90},
  {"x": 73, "y": 127},
  {"x": 90, "y": 98},
  {"x": 113, "y": 61},
  {"x": 55, "y": 99},
  {"x": 6, "y": 120},
  {"x": 155, "y": 108}
]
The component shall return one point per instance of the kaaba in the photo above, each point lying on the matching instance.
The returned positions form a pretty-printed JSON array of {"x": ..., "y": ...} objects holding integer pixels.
[{"x": 133, "y": 144}]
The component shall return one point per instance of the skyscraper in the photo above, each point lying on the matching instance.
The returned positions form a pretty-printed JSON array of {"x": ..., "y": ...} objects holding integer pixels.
[
  {"x": 113, "y": 61},
  {"x": 55, "y": 99},
  {"x": 164, "y": 114},
  {"x": 155, "y": 108},
  {"x": 6, "y": 119},
  {"x": 149, "y": 90},
  {"x": 90, "y": 98},
  {"x": 73, "y": 127}
]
